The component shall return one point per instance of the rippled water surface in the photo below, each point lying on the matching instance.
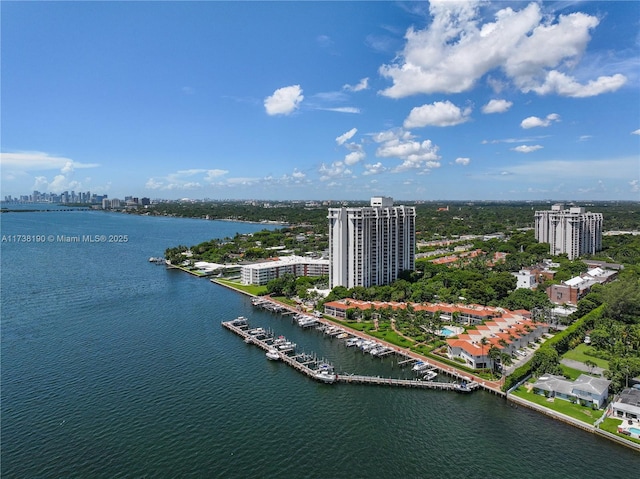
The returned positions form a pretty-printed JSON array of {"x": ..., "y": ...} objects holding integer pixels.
[{"x": 115, "y": 367}]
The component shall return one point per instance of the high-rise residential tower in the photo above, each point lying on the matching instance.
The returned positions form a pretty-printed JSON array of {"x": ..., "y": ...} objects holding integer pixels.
[
  {"x": 569, "y": 230},
  {"x": 370, "y": 245}
]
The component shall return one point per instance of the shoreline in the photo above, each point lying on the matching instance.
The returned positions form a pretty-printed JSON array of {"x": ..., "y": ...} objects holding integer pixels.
[
  {"x": 446, "y": 369},
  {"x": 493, "y": 387}
]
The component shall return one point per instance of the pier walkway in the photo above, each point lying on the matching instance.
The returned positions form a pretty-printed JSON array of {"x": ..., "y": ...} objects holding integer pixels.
[
  {"x": 240, "y": 328},
  {"x": 301, "y": 363},
  {"x": 410, "y": 383},
  {"x": 494, "y": 387}
]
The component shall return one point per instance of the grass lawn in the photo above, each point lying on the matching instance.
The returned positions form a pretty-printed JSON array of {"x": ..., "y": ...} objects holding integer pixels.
[
  {"x": 570, "y": 372},
  {"x": 247, "y": 288},
  {"x": 581, "y": 413},
  {"x": 580, "y": 354},
  {"x": 611, "y": 425},
  {"x": 391, "y": 337}
]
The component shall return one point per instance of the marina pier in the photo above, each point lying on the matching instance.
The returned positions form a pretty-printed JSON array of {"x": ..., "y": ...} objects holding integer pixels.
[{"x": 321, "y": 370}]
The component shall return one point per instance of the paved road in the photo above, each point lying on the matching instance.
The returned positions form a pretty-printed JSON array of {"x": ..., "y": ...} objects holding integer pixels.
[{"x": 581, "y": 366}]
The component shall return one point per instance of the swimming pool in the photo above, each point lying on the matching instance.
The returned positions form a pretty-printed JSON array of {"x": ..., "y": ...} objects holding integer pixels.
[
  {"x": 634, "y": 430},
  {"x": 447, "y": 332}
]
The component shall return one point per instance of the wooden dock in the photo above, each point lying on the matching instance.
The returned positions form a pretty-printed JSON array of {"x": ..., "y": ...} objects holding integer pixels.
[
  {"x": 409, "y": 383},
  {"x": 303, "y": 367},
  {"x": 301, "y": 362}
]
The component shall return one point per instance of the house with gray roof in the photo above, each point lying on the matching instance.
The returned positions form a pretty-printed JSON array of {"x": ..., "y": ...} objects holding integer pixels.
[
  {"x": 587, "y": 390},
  {"x": 627, "y": 406}
]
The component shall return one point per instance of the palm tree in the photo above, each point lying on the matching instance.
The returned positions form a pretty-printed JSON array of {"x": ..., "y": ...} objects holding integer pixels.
[
  {"x": 494, "y": 355},
  {"x": 484, "y": 341},
  {"x": 590, "y": 364}
]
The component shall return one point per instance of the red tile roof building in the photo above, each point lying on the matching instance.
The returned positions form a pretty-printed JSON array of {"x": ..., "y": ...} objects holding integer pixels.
[{"x": 506, "y": 330}]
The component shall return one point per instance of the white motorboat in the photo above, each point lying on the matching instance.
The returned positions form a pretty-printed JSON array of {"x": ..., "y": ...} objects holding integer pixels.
[
  {"x": 325, "y": 376},
  {"x": 287, "y": 346},
  {"x": 306, "y": 321},
  {"x": 352, "y": 341},
  {"x": 379, "y": 351},
  {"x": 430, "y": 375},
  {"x": 420, "y": 366},
  {"x": 367, "y": 345},
  {"x": 273, "y": 355}
]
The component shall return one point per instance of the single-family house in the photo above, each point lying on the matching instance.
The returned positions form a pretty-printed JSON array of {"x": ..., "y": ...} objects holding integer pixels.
[
  {"x": 627, "y": 406},
  {"x": 587, "y": 390}
]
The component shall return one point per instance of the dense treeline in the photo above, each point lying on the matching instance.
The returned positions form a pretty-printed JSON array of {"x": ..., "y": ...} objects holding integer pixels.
[
  {"x": 284, "y": 212},
  {"x": 254, "y": 246},
  {"x": 620, "y": 249},
  {"x": 461, "y": 218},
  {"x": 613, "y": 327}
]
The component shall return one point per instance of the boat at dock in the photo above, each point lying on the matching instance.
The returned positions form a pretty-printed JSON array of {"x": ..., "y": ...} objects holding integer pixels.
[
  {"x": 306, "y": 321},
  {"x": 367, "y": 345},
  {"x": 380, "y": 351},
  {"x": 286, "y": 347},
  {"x": 273, "y": 355},
  {"x": 353, "y": 341},
  {"x": 279, "y": 348},
  {"x": 325, "y": 376},
  {"x": 463, "y": 387},
  {"x": 239, "y": 322},
  {"x": 430, "y": 375},
  {"x": 420, "y": 366}
]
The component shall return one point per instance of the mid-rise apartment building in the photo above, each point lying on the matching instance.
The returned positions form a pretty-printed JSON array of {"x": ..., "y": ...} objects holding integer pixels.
[
  {"x": 370, "y": 245},
  {"x": 569, "y": 230},
  {"x": 262, "y": 273}
]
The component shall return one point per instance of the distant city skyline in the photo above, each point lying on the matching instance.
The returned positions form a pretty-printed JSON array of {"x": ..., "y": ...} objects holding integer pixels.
[{"x": 446, "y": 101}]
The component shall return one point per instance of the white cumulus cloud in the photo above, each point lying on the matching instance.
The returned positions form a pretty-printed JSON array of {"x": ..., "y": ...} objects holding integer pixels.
[
  {"x": 497, "y": 106},
  {"x": 334, "y": 170},
  {"x": 527, "y": 148},
  {"x": 403, "y": 145},
  {"x": 561, "y": 84},
  {"x": 463, "y": 161},
  {"x": 354, "y": 157},
  {"x": 439, "y": 113},
  {"x": 361, "y": 85},
  {"x": 374, "y": 169},
  {"x": 636, "y": 132},
  {"x": 189, "y": 179},
  {"x": 534, "y": 121},
  {"x": 284, "y": 100},
  {"x": 529, "y": 46}
]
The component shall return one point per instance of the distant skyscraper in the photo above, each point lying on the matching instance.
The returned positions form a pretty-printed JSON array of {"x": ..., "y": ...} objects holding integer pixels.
[
  {"x": 572, "y": 231},
  {"x": 370, "y": 245}
]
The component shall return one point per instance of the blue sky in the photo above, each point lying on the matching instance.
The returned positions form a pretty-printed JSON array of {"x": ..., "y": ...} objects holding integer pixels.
[{"x": 334, "y": 100}]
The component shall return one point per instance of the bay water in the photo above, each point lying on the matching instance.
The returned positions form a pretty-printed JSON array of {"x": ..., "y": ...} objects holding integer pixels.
[{"x": 115, "y": 367}]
